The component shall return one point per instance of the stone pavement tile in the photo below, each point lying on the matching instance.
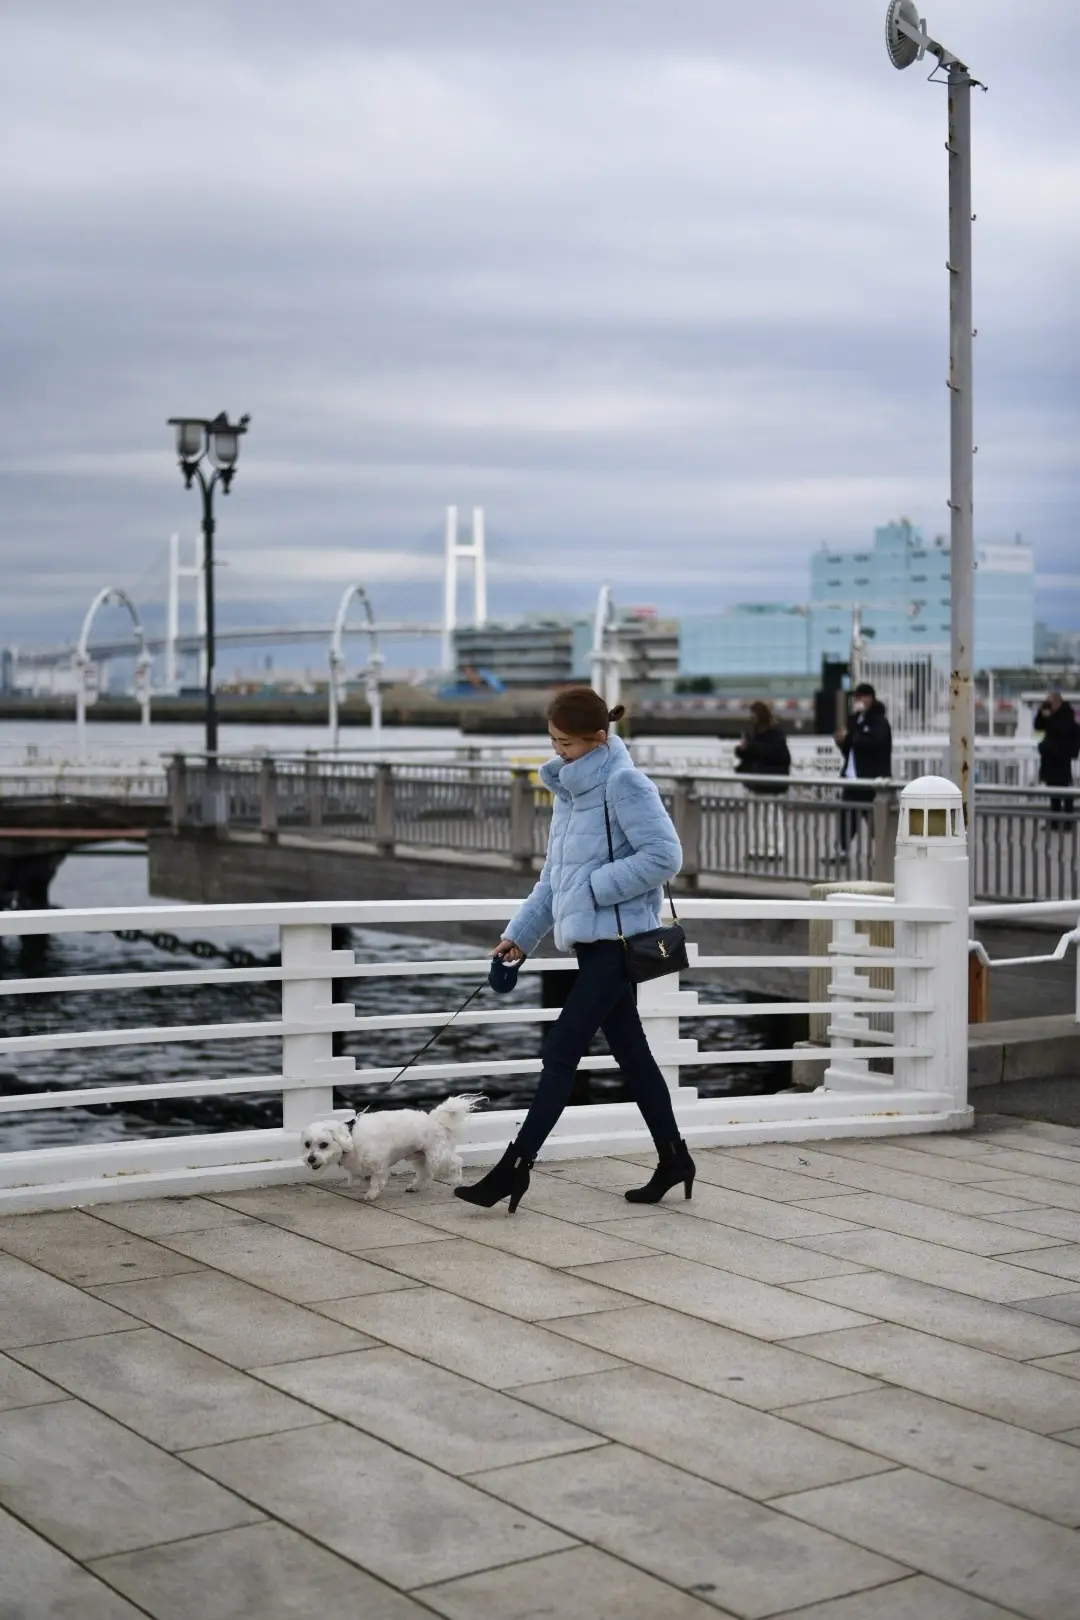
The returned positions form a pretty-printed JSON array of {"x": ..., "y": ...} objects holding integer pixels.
[
  {"x": 532, "y": 1236},
  {"x": 39, "y": 1583},
  {"x": 1036, "y": 1189},
  {"x": 611, "y": 1174},
  {"x": 1051, "y": 1167},
  {"x": 573, "y": 1201},
  {"x": 748, "y": 1213},
  {"x": 1010, "y": 1390},
  {"x": 844, "y": 1174},
  {"x": 492, "y": 1277},
  {"x": 917, "y": 1598},
  {"x": 719, "y": 1168},
  {"x": 699, "y": 1536},
  {"x": 1060, "y": 1223},
  {"x": 157, "y": 1217},
  {"x": 397, "y": 1517},
  {"x": 745, "y": 1253},
  {"x": 582, "y": 1584},
  {"x": 93, "y": 1487},
  {"x": 966, "y": 1232},
  {"x": 231, "y": 1319},
  {"x": 168, "y": 1392},
  {"x": 1068, "y": 1364},
  {"x": 35, "y": 1308},
  {"x": 1071, "y": 1437},
  {"x": 975, "y": 1166},
  {"x": 1058, "y": 1307},
  {"x": 261, "y": 1572},
  {"x": 1004, "y": 1330},
  {"x": 447, "y": 1420},
  {"x": 999, "y": 1553},
  {"x": 1037, "y": 1136},
  {"x": 283, "y": 1263},
  {"x": 748, "y": 1370},
  {"x": 741, "y": 1210},
  {"x": 1062, "y": 1261},
  {"x": 945, "y": 1144},
  {"x": 997, "y": 1459},
  {"x": 752, "y": 1307},
  {"x": 933, "y": 1263},
  {"x": 342, "y": 1223},
  {"x": 484, "y": 1345},
  {"x": 21, "y": 1387},
  {"x": 718, "y": 1439},
  {"x": 82, "y": 1250}
]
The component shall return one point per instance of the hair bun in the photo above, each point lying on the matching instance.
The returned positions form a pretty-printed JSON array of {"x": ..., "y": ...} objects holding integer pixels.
[{"x": 614, "y": 715}]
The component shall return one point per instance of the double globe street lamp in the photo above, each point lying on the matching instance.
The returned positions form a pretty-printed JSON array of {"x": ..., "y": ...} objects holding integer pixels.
[{"x": 219, "y": 441}]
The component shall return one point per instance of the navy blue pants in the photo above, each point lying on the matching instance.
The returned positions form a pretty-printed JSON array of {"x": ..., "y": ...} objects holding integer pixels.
[{"x": 603, "y": 997}]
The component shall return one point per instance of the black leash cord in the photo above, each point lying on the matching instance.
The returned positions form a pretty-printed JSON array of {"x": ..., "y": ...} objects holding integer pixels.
[{"x": 440, "y": 1031}]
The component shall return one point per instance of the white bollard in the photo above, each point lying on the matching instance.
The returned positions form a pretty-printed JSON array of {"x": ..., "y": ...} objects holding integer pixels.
[{"x": 932, "y": 870}]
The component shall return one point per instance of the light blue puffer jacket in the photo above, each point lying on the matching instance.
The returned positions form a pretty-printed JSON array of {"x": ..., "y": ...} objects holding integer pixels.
[{"x": 579, "y": 887}]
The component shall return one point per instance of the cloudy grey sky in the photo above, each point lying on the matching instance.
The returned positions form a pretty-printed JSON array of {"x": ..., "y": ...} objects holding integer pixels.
[{"x": 660, "y": 283}]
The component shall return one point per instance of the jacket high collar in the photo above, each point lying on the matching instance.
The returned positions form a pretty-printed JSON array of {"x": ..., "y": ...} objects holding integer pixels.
[{"x": 580, "y": 776}]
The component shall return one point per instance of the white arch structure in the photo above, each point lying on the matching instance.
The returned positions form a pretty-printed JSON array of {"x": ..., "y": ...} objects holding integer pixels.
[
  {"x": 337, "y": 664},
  {"x": 83, "y": 664}
]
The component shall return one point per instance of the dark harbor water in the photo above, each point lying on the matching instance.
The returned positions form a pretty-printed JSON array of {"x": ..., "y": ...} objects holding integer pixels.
[{"x": 95, "y": 880}]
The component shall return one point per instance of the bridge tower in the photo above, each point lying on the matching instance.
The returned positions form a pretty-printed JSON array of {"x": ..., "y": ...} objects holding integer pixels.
[
  {"x": 177, "y": 573},
  {"x": 458, "y": 550}
]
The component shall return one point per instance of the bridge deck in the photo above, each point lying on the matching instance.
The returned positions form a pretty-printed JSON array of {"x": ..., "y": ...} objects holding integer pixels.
[{"x": 840, "y": 1382}]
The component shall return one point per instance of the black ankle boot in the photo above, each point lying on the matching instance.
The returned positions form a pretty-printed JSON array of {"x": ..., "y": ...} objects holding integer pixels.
[
  {"x": 507, "y": 1179},
  {"x": 675, "y": 1165}
]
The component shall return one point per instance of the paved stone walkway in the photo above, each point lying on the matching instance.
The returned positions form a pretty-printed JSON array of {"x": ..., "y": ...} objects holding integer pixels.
[{"x": 843, "y": 1382}]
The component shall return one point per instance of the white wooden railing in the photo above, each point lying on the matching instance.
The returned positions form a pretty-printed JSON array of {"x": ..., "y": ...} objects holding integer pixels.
[{"x": 896, "y": 1059}]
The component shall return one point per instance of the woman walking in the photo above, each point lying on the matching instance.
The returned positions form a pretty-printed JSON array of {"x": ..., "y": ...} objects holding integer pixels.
[{"x": 577, "y": 893}]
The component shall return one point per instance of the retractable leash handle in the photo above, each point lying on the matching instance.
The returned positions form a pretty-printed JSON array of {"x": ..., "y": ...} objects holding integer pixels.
[{"x": 502, "y": 975}]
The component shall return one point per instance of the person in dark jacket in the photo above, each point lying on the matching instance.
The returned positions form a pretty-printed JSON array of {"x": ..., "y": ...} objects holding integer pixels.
[
  {"x": 1059, "y": 745},
  {"x": 764, "y": 751},
  {"x": 867, "y": 749}
]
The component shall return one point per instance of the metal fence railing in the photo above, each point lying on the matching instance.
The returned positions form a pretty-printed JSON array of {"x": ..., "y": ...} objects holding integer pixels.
[{"x": 815, "y": 828}]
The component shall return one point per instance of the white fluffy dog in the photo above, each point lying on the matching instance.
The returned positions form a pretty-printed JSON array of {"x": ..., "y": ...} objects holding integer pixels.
[{"x": 369, "y": 1145}]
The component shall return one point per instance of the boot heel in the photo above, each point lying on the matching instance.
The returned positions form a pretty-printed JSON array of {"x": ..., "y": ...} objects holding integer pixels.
[
  {"x": 688, "y": 1188},
  {"x": 515, "y": 1201}
]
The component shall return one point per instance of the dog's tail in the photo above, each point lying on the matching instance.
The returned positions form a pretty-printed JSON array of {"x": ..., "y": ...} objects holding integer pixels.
[{"x": 453, "y": 1113}]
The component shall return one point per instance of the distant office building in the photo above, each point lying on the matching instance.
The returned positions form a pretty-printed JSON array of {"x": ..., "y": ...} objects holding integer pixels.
[
  {"x": 901, "y": 585},
  {"x": 650, "y": 648},
  {"x": 1056, "y": 646},
  {"x": 751, "y": 638},
  {"x": 554, "y": 650},
  {"x": 521, "y": 652}
]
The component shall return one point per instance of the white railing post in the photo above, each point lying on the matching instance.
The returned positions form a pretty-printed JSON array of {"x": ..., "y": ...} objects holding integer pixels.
[
  {"x": 932, "y": 870},
  {"x": 849, "y": 978},
  {"x": 659, "y": 1002},
  {"x": 309, "y": 1068}
]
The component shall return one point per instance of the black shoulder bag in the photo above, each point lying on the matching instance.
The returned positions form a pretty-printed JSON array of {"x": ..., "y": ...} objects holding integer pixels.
[{"x": 658, "y": 950}]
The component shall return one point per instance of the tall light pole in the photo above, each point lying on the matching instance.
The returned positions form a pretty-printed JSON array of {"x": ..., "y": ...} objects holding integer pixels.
[
  {"x": 219, "y": 439},
  {"x": 907, "y": 41}
]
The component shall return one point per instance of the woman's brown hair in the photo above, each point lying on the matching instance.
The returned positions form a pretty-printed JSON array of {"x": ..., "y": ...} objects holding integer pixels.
[
  {"x": 762, "y": 716},
  {"x": 581, "y": 712}
]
